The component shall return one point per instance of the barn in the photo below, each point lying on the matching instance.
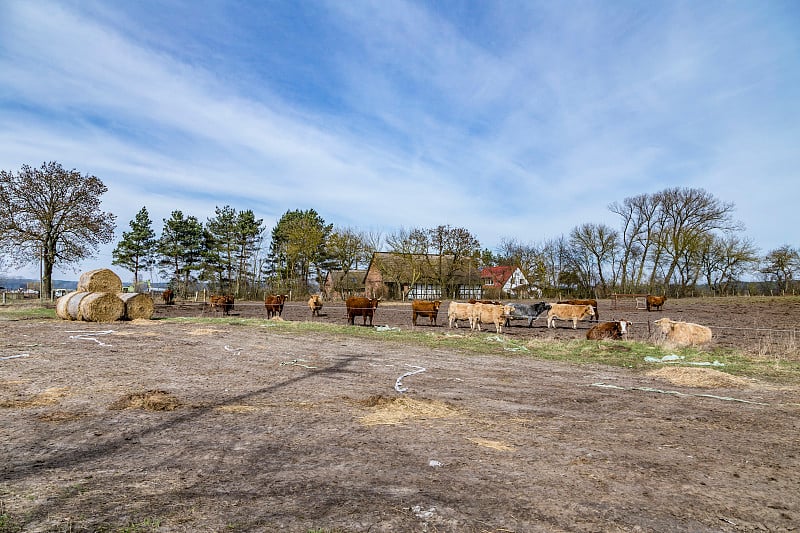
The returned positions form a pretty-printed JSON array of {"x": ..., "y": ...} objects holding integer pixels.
[{"x": 401, "y": 276}]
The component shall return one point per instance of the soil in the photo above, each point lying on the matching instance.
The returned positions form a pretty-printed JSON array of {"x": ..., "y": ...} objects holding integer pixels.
[{"x": 152, "y": 425}]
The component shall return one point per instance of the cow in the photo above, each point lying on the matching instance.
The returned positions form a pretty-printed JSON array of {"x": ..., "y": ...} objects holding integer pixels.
[
  {"x": 315, "y": 304},
  {"x": 459, "y": 311},
  {"x": 655, "y": 301},
  {"x": 363, "y": 307},
  {"x": 490, "y": 313},
  {"x": 608, "y": 330},
  {"x": 274, "y": 304},
  {"x": 221, "y": 301},
  {"x": 680, "y": 333},
  {"x": 492, "y": 302},
  {"x": 168, "y": 296},
  {"x": 425, "y": 308},
  {"x": 588, "y": 301},
  {"x": 568, "y": 312},
  {"x": 528, "y": 312}
]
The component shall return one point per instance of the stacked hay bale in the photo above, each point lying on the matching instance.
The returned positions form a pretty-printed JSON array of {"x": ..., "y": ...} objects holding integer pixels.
[{"x": 99, "y": 298}]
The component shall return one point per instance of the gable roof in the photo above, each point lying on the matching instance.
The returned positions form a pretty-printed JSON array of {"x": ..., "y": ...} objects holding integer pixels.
[{"x": 497, "y": 275}]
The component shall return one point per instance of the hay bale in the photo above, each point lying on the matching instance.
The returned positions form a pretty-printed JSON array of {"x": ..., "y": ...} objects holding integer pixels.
[
  {"x": 100, "y": 307},
  {"x": 68, "y": 306},
  {"x": 699, "y": 377},
  {"x": 62, "y": 305},
  {"x": 136, "y": 305},
  {"x": 100, "y": 280}
]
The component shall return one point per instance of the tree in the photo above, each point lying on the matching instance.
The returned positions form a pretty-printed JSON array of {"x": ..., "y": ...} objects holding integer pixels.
[
  {"x": 598, "y": 244},
  {"x": 52, "y": 215},
  {"x": 220, "y": 262},
  {"x": 298, "y": 244},
  {"x": 136, "y": 249},
  {"x": 454, "y": 250},
  {"x": 181, "y": 249},
  {"x": 346, "y": 248},
  {"x": 724, "y": 259},
  {"x": 781, "y": 265}
]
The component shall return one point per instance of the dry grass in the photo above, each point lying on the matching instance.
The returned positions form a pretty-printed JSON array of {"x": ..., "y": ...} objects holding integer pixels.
[
  {"x": 152, "y": 400},
  {"x": 397, "y": 410},
  {"x": 699, "y": 377}
]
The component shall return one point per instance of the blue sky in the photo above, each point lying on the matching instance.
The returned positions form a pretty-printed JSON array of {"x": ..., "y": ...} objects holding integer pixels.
[{"x": 515, "y": 120}]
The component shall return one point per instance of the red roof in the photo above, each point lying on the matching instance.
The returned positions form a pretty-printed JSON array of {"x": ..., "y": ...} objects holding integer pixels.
[{"x": 498, "y": 275}]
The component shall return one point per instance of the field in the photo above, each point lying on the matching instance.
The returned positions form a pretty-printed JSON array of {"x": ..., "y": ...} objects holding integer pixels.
[{"x": 206, "y": 423}]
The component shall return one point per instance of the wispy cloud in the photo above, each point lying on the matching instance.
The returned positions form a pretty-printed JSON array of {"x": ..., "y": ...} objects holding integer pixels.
[{"x": 517, "y": 120}]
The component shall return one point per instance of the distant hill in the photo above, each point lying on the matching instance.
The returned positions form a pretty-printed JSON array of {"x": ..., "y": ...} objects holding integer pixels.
[{"x": 15, "y": 283}]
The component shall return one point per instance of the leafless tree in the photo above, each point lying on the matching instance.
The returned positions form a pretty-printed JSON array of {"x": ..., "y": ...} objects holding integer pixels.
[{"x": 52, "y": 215}]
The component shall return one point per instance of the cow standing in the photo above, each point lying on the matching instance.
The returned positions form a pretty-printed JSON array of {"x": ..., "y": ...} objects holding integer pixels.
[
  {"x": 223, "y": 302},
  {"x": 359, "y": 306},
  {"x": 425, "y": 308},
  {"x": 168, "y": 296},
  {"x": 274, "y": 304},
  {"x": 315, "y": 304},
  {"x": 655, "y": 301}
]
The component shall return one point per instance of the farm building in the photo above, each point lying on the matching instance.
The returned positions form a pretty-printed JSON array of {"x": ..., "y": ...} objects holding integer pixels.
[
  {"x": 340, "y": 286},
  {"x": 508, "y": 280},
  {"x": 421, "y": 276}
]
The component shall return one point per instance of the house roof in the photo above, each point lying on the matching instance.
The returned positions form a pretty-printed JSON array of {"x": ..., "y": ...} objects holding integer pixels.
[
  {"x": 399, "y": 267},
  {"x": 497, "y": 275},
  {"x": 353, "y": 276}
]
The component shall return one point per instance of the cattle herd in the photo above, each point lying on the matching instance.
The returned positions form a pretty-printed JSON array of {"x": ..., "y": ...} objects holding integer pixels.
[{"x": 490, "y": 312}]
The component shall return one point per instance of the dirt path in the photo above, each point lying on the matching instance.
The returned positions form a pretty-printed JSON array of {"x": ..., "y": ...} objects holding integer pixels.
[{"x": 265, "y": 431}]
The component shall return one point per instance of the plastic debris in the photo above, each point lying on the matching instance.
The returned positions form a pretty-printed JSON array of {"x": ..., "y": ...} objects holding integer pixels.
[
  {"x": 434, "y": 463},
  {"x": 14, "y": 356},
  {"x": 386, "y": 328},
  {"x": 90, "y": 336},
  {"x": 680, "y": 359},
  {"x": 398, "y": 385},
  {"x": 237, "y": 351},
  {"x": 674, "y": 393},
  {"x": 297, "y": 362}
]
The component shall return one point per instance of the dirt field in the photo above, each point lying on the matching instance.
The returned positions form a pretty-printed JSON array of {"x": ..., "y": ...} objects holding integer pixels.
[{"x": 167, "y": 426}]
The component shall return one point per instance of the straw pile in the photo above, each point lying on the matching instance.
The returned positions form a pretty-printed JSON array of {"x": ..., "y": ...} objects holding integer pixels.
[
  {"x": 100, "y": 307},
  {"x": 100, "y": 280},
  {"x": 136, "y": 305},
  {"x": 68, "y": 306}
]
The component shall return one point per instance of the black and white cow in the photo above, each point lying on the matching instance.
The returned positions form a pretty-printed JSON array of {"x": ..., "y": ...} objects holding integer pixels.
[{"x": 528, "y": 312}]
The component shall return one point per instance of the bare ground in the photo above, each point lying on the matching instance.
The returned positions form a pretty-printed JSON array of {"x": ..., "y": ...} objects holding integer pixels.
[{"x": 163, "y": 426}]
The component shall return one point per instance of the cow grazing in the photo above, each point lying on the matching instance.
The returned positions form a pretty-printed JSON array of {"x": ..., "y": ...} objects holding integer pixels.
[
  {"x": 315, "y": 304},
  {"x": 221, "y": 301},
  {"x": 459, "y": 311},
  {"x": 363, "y": 307},
  {"x": 608, "y": 330},
  {"x": 527, "y": 312},
  {"x": 568, "y": 312},
  {"x": 425, "y": 308},
  {"x": 274, "y": 304},
  {"x": 490, "y": 314},
  {"x": 168, "y": 296},
  {"x": 588, "y": 301},
  {"x": 655, "y": 301},
  {"x": 680, "y": 333}
]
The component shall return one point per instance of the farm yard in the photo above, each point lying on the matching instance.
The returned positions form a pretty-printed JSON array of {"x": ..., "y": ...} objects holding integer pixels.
[{"x": 198, "y": 422}]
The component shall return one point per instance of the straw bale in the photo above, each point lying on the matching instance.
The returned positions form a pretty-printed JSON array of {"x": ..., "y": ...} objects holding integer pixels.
[
  {"x": 71, "y": 305},
  {"x": 62, "y": 305},
  {"x": 699, "y": 377},
  {"x": 137, "y": 305},
  {"x": 100, "y": 280},
  {"x": 101, "y": 307}
]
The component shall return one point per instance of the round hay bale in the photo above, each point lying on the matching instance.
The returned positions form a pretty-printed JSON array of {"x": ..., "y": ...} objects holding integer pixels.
[
  {"x": 62, "y": 309},
  {"x": 72, "y": 304},
  {"x": 100, "y": 280},
  {"x": 101, "y": 307},
  {"x": 137, "y": 305}
]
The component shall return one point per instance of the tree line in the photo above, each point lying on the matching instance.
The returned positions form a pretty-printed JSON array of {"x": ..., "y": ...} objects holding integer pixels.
[{"x": 678, "y": 241}]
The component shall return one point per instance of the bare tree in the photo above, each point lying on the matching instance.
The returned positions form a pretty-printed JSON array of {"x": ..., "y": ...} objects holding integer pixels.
[
  {"x": 598, "y": 244},
  {"x": 781, "y": 266},
  {"x": 52, "y": 215},
  {"x": 454, "y": 250},
  {"x": 724, "y": 259}
]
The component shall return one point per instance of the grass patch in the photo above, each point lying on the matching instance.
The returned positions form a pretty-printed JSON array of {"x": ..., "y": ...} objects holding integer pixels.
[
  {"x": 26, "y": 311},
  {"x": 626, "y": 354}
]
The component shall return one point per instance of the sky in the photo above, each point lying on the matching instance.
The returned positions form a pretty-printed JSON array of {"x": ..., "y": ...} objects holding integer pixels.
[{"x": 517, "y": 120}]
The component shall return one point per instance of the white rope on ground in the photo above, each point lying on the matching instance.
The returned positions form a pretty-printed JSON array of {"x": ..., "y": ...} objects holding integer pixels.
[
  {"x": 398, "y": 385},
  {"x": 237, "y": 351},
  {"x": 675, "y": 393},
  {"x": 88, "y": 336},
  {"x": 14, "y": 356}
]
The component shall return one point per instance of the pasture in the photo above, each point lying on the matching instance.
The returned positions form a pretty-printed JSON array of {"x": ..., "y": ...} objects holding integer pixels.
[{"x": 198, "y": 422}]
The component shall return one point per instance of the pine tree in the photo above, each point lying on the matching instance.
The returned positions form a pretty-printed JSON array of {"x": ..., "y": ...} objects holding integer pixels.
[{"x": 136, "y": 250}]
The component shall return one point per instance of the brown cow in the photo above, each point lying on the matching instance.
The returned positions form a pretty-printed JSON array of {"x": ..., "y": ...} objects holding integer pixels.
[
  {"x": 568, "y": 312},
  {"x": 424, "y": 308},
  {"x": 274, "y": 304},
  {"x": 459, "y": 311},
  {"x": 588, "y": 301},
  {"x": 359, "y": 306},
  {"x": 315, "y": 304},
  {"x": 655, "y": 301},
  {"x": 222, "y": 301},
  {"x": 168, "y": 296},
  {"x": 608, "y": 330},
  {"x": 490, "y": 314}
]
